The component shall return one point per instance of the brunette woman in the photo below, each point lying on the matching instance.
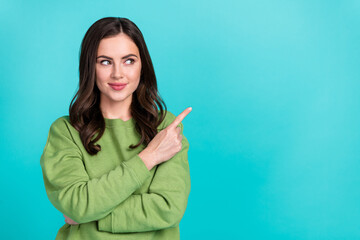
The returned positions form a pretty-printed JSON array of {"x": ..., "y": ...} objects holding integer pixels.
[{"x": 117, "y": 167}]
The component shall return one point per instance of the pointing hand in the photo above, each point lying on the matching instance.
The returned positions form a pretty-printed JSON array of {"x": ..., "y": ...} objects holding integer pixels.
[{"x": 165, "y": 144}]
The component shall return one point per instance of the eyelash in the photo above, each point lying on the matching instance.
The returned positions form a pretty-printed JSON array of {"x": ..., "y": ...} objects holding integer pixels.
[{"x": 132, "y": 61}]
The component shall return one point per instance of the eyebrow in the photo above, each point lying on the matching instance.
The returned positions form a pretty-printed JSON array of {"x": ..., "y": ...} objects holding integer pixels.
[{"x": 129, "y": 55}]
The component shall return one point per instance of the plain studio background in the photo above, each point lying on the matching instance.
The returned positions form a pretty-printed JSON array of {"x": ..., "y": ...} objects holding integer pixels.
[{"x": 274, "y": 132}]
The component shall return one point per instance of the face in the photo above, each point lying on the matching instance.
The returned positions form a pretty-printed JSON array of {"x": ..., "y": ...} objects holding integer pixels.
[{"x": 118, "y": 69}]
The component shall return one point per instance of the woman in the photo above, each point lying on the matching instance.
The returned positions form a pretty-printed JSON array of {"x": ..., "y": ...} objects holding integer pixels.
[{"x": 117, "y": 166}]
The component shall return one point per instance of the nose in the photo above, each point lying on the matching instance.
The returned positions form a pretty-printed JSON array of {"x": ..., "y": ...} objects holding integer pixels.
[{"x": 117, "y": 71}]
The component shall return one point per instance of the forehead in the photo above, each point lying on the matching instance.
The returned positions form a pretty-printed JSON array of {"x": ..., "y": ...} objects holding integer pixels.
[{"x": 118, "y": 45}]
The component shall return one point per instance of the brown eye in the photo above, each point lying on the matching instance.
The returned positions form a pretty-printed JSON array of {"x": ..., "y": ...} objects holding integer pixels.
[
  {"x": 130, "y": 61},
  {"x": 105, "y": 61}
]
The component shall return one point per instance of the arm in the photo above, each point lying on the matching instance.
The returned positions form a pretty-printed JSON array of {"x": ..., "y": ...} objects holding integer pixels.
[
  {"x": 69, "y": 187},
  {"x": 162, "y": 206}
]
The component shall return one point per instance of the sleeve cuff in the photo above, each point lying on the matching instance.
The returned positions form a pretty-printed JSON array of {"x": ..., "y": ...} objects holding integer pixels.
[
  {"x": 105, "y": 224},
  {"x": 138, "y": 169}
]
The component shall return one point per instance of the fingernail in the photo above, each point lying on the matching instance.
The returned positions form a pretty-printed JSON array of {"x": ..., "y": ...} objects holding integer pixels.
[{"x": 190, "y": 108}]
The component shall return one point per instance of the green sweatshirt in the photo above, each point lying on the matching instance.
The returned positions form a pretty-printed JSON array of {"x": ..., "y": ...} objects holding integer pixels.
[{"x": 112, "y": 195}]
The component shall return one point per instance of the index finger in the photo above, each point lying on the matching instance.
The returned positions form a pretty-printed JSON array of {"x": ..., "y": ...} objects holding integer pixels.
[{"x": 179, "y": 118}]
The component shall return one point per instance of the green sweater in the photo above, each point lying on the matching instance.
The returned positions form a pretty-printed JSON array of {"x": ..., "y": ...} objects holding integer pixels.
[{"x": 112, "y": 195}]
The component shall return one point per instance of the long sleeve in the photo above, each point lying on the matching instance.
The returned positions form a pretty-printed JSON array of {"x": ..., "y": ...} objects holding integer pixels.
[
  {"x": 69, "y": 187},
  {"x": 162, "y": 206}
]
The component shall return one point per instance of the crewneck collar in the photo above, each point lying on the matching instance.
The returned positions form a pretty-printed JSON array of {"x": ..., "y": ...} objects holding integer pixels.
[{"x": 117, "y": 122}]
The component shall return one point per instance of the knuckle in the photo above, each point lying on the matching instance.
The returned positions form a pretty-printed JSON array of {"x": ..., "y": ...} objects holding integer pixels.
[{"x": 179, "y": 148}]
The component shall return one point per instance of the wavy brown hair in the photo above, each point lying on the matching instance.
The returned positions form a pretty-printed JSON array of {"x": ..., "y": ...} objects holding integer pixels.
[{"x": 147, "y": 108}]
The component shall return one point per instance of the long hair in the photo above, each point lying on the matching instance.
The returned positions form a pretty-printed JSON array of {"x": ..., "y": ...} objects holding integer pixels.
[{"x": 146, "y": 106}]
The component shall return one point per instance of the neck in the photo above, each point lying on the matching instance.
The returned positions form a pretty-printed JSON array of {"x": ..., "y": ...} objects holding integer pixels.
[{"x": 115, "y": 110}]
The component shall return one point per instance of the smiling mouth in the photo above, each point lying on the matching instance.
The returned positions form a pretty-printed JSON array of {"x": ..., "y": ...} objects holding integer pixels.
[{"x": 117, "y": 86}]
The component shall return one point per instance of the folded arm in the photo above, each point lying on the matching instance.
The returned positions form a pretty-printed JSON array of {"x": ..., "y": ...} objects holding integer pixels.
[
  {"x": 162, "y": 206},
  {"x": 69, "y": 187}
]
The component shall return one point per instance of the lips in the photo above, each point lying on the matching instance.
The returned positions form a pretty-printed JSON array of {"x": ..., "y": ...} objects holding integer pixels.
[{"x": 117, "y": 86}]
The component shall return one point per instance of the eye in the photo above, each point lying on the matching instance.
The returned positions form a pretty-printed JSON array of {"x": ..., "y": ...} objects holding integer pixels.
[
  {"x": 129, "y": 61},
  {"x": 105, "y": 61}
]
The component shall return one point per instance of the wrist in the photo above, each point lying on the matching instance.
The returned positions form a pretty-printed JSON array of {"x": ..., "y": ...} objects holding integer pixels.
[{"x": 147, "y": 159}]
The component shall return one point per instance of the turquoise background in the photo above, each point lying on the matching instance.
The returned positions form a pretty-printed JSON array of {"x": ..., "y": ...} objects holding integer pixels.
[{"x": 274, "y": 132}]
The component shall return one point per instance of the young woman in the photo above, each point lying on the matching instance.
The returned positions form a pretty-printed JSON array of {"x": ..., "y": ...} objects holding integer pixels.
[{"x": 116, "y": 167}]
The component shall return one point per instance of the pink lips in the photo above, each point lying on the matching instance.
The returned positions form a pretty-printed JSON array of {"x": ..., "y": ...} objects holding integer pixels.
[{"x": 117, "y": 86}]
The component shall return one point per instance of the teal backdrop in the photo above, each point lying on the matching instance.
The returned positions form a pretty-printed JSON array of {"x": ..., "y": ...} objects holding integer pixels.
[{"x": 274, "y": 132}]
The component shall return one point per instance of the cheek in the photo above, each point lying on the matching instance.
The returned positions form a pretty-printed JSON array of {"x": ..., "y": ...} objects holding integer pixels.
[
  {"x": 135, "y": 74},
  {"x": 101, "y": 75},
  {"x": 100, "y": 80}
]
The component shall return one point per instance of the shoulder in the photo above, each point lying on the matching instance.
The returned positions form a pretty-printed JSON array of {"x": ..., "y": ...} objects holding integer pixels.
[
  {"x": 62, "y": 126},
  {"x": 62, "y": 130},
  {"x": 60, "y": 122},
  {"x": 60, "y": 137}
]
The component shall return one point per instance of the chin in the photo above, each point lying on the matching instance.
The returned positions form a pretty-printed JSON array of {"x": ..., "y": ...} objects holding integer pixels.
[{"x": 119, "y": 98}]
